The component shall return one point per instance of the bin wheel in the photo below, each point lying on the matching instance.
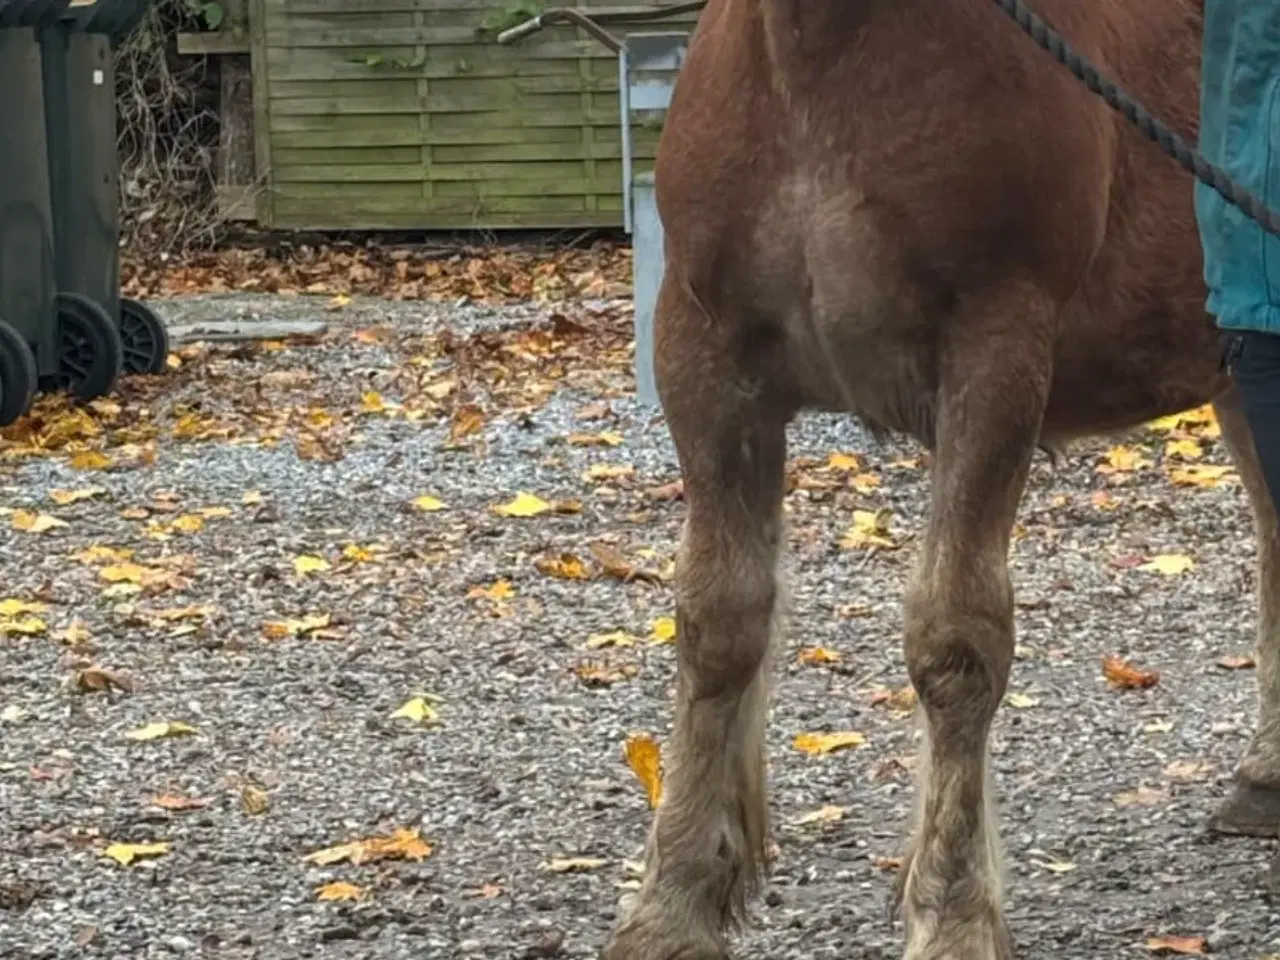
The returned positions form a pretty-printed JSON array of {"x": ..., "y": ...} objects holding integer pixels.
[
  {"x": 17, "y": 375},
  {"x": 89, "y": 348},
  {"x": 146, "y": 341}
]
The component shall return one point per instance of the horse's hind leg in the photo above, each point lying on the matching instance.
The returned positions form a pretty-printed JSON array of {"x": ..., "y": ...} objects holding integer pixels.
[
  {"x": 706, "y": 846},
  {"x": 1253, "y": 807}
]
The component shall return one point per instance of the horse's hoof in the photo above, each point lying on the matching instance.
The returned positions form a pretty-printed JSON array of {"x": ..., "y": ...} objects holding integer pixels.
[{"x": 1251, "y": 810}]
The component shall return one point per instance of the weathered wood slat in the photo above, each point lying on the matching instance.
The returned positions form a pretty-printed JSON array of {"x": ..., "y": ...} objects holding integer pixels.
[{"x": 552, "y": 171}]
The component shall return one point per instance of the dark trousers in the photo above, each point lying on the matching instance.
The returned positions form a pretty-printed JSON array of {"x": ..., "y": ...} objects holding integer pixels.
[{"x": 1254, "y": 359}]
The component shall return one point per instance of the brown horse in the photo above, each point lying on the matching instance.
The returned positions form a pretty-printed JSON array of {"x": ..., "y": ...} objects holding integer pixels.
[{"x": 904, "y": 210}]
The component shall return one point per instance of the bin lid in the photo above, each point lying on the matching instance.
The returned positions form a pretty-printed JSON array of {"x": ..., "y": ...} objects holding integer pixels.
[
  {"x": 30, "y": 13},
  {"x": 115, "y": 19}
]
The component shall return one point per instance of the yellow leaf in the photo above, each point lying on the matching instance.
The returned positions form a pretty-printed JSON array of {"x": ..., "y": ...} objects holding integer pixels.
[
  {"x": 124, "y": 573},
  {"x": 524, "y": 505},
  {"x": 251, "y": 498},
  {"x": 210, "y": 513},
  {"x": 402, "y": 844},
  {"x": 573, "y": 864},
  {"x": 125, "y": 853},
  {"x": 1121, "y": 459},
  {"x": 337, "y": 303},
  {"x": 869, "y": 530},
  {"x": 371, "y": 402},
  {"x": 254, "y": 800},
  {"x": 820, "y": 743},
  {"x": 428, "y": 504},
  {"x": 27, "y": 626},
  {"x": 30, "y": 522},
  {"x": 1185, "y": 449},
  {"x": 565, "y": 566},
  {"x": 663, "y": 630},
  {"x": 498, "y": 590},
  {"x": 417, "y": 710},
  {"x": 1201, "y": 475},
  {"x": 828, "y": 814},
  {"x": 1170, "y": 564},
  {"x": 11, "y": 607},
  {"x": 816, "y": 656},
  {"x": 607, "y": 471},
  {"x": 122, "y": 590},
  {"x": 66, "y": 497},
  {"x": 847, "y": 462},
  {"x": 100, "y": 554},
  {"x": 188, "y": 523},
  {"x": 339, "y": 890},
  {"x": 865, "y": 482},
  {"x": 307, "y": 563},
  {"x": 644, "y": 757},
  {"x": 90, "y": 460},
  {"x": 1021, "y": 701},
  {"x": 618, "y": 638},
  {"x": 163, "y": 728}
]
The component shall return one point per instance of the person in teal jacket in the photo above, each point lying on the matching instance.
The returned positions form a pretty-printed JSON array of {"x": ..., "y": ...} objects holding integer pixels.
[{"x": 1240, "y": 132}]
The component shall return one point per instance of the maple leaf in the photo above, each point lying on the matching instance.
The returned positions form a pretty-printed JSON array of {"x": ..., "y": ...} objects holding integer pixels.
[
  {"x": 428, "y": 504},
  {"x": 29, "y": 522},
  {"x": 816, "y": 744},
  {"x": 339, "y": 890},
  {"x": 869, "y": 530},
  {"x": 1121, "y": 459},
  {"x": 644, "y": 757},
  {"x": 564, "y": 566},
  {"x": 1187, "y": 946},
  {"x": 1125, "y": 676},
  {"x": 162, "y": 728},
  {"x": 1169, "y": 564},
  {"x": 306, "y": 563},
  {"x": 126, "y": 853},
  {"x": 524, "y": 505},
  {"x": 1186, "y": 449}
]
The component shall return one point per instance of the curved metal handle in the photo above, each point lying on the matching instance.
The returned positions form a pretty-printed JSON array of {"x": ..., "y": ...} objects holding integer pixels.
[
  {"x": 562, "y": 15},
  {"x": 521, "y": 30}
]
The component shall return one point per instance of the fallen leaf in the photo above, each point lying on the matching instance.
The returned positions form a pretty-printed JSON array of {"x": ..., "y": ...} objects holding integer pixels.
[
  {"x": 358, "y": 554},
  {"x": 498, "y": 590},
  {"x": 308, "y": 563},
  {"x": 828, "y": 814},
  {"x": 12, "y": 607},
  {"x": 417, "y": 710},
  {"x": 573, "y": 865},
  {"x": 125, "y": 853},
  {"x": 277, "y": 629},
  {"x": 1237, "y": 663},
  {"x": 602, "y": 472},
  {"x": 468, "y": 419},
  {"x": 65, "y": 498},
  {"x": 187, "y": 523},
  {"x": 1188, "y": 946},
  {"x": 403, "y": 843},
  {"x": 1169, "y": 564},
  {"x": 428, "y": 504},
  {"x": 644, "y": 757},
  {"x": 847, "y": 462},
  {"x": 27, "y": 626},
  {"x": 869, "y": 530},
  {"x": 29, "y": 522},
  {"x": 1140, "y": 797},
  {"x": 1125, "y": 676},
  {"x": 618, "y": 638},
  {"x": 339, "y": 890},
  {"x": 564, "y": 566},
  {"x": 371, "y": 402},
  {"x": 1186, "y": 449},
  {"x": 96, "y": 679},
  {"x": 818, "y": 656},
  {"x": 169, "y": 801},
  {"x": 1202, "y": 475},
  {"x": 663, "y": 630},
  {"x": 887, "y": 863},
  {"x": 815, "y": 744},
  {"x": 13, "y": 714},
  {"x": 254, "y": 800},
  {"x": 1055, "y": 866},
  {"x": 524, "y": 505},
  {"x": 903, "y": 700},
  {"x": 1121, "y": 459},
  {"x": 1021, "y": 701},
  {"x": 163, "y": 728}
]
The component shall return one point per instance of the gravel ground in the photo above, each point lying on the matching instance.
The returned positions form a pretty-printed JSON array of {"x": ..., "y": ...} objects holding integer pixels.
[{"x": 297, "y": 448}]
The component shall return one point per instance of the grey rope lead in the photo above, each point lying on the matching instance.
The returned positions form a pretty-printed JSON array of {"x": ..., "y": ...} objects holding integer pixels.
[{"x": 1153, "y": 129}]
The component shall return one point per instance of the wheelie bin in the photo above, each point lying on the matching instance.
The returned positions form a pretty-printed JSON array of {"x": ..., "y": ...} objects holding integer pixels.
[
  {"x": 28, "y": 325},
  {"x": 80, "y": 127}
]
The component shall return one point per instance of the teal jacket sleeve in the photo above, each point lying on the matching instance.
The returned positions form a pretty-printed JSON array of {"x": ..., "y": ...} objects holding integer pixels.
[{"x": 1240, "y": 132}]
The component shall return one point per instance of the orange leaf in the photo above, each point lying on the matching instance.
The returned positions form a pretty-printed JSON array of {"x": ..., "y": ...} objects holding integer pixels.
[{"x": 1125, "y": 676}]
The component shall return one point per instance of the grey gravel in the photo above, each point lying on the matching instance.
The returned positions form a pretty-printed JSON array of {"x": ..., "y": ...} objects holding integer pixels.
[{"x": 526, "y": 762}]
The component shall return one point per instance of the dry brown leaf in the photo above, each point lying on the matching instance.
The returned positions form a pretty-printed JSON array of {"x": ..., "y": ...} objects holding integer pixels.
[
  {"x": 467, "y": 420},
  {"x": 403, "y": 844},
  {"x": 339, "y": 890},
  {"x": 1125, "y": 676},
  {"x": 1187, "y": 946},
  {"x": 176, "y": 802},
  {"x": 573, "y": 864},
  {"x": 254, "y": 800},
  {"x": 96, "y": 679},
  {"x": 564, "y": 566}
]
